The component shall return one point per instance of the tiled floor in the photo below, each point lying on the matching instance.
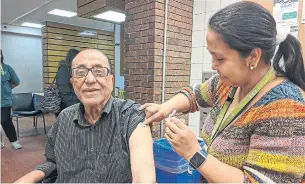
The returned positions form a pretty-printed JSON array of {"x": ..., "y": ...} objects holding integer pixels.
[{"x": 16, "y": 163}]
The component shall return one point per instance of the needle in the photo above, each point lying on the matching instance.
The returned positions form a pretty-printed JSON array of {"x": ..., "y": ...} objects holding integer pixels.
[{"x": 171, "y": 115}]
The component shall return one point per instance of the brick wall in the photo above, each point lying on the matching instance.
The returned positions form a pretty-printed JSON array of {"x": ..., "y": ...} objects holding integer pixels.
[{"x": 144, "y": 31}]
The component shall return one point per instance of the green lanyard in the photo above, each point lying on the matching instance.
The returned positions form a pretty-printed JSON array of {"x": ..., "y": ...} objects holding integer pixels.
[
  {"x": 2, "y": 71},
  {"x": 221, "y": 124}
]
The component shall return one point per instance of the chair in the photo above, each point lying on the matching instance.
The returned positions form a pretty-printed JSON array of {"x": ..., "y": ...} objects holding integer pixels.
[
  {"x": 27, "y": 105},
  {"x": 119, "y": 93},
  {"x": 37, "y": 99}
]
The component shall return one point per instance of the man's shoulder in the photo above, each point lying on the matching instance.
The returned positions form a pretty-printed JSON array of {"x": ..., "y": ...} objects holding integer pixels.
[
  {"x": 71, "y": 110},
  {"x": 126, "y": 105},
  {"x": 130, "y": 115}
]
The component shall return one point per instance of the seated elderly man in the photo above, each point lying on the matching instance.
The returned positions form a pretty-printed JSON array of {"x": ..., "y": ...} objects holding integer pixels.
[{"x": 98, "y": 140}]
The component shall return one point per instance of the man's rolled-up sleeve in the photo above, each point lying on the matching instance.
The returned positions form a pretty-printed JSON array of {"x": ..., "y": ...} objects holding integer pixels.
[
  {"x": 50, "y": 164},
  {"x": 136, "y": 117}
]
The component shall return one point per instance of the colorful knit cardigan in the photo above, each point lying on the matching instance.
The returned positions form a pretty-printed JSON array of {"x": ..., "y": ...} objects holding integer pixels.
[{"x": 267, "y": 142}]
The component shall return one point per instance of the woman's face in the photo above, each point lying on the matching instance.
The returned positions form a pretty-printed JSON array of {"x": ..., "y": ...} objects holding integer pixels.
[{"x": 228, "y": 63}]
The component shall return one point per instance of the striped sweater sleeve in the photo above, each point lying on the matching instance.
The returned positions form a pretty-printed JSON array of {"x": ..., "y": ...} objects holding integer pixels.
[
  {"x": 277, "y": 145},
  {"x": 211, "y": 92}
]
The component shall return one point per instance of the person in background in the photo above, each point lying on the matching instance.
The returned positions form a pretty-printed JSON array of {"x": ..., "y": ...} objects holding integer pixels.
[
  {"x": 9, "y": 80},
  {"x": 63, "y": 84},
  {"x": 101, "y": 139},
  {"x": 255, "y": 131}
]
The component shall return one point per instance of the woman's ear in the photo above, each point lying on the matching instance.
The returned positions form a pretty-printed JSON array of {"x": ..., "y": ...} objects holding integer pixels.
[{"x": 254, "y": 58}]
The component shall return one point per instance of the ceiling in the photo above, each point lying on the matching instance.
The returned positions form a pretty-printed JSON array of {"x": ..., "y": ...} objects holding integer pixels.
[{"x": 15, "y": 12}]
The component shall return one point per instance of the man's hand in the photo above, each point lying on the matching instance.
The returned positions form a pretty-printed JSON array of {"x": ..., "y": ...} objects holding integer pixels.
[{"x": 32, "y": 177}]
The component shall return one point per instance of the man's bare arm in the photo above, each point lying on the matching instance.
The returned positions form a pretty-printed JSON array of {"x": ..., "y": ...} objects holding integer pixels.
[
  {"x": 32, "y": 177},
  {"x": 141, "y": 155}
]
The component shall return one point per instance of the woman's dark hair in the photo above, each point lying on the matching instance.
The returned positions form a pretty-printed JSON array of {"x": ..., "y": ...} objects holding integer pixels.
[
  {"x": 71, "y": 55},
  {"x": 246, "y": 25},
  {"x": 2, "y": 58}
]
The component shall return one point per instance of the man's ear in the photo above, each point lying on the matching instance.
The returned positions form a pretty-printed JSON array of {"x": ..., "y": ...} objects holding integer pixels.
[
  {"x": 254, "y": 58},
  {"x": 71, "y": 80}
]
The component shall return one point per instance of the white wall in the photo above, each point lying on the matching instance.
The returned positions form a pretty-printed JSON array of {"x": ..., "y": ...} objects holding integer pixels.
[
  {"x": 21, "y": 30},
  {"x": 24, "y": 53},
  {"x": 201, "y": 58}
]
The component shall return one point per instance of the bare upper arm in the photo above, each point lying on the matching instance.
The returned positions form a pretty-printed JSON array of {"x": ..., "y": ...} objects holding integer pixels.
[{"x": 141, "y": 155}]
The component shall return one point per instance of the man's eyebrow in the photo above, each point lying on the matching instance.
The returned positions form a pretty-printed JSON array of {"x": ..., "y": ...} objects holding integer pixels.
[
  {"x": 95, "y": 65},
  {"x": 98, "y": 65},
  {"x": 81, "y": 65}
]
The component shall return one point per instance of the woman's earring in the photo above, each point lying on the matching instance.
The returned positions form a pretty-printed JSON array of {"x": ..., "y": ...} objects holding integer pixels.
[{"x": 251, "y": 67}]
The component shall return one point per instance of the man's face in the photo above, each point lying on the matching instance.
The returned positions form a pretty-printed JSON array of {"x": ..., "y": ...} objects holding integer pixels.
[{"x": 92, "y": 90}]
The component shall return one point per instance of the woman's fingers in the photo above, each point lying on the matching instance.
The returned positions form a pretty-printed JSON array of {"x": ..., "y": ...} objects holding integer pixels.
[
  {"x": 170, "y": 140},
  {"x": 155, "y": 118},
  {"x": 179, "y": 123},
  {"x": 145, "y": 106},
  {"x": 149, "y": 108},
  {"x": 170, "y": 133},
  {"x": 172, "y": 127},
  {"x": 154, "y": 112}
]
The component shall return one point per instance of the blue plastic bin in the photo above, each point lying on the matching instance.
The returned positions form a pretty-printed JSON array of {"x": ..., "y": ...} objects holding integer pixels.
[{"x": 170, "y": 167}]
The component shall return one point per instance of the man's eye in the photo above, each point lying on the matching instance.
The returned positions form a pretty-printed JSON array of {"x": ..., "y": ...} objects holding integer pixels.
[
  {"x": 99, "y": 72},
  {"x": 81, "y": 72},
  {"x": 220, "y": 60}
]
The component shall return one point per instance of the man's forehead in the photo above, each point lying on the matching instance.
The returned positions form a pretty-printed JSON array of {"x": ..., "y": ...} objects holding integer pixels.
[{"x": 91, "y": 57}]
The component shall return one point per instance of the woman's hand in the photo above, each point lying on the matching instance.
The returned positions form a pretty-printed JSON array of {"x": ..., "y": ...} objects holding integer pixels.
[
  {"x": 181, "y": 138},
  {"x": 155, "y": 112}
]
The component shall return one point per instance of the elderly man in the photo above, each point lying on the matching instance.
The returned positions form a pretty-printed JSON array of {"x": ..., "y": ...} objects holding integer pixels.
[{"x": 98, "y": 140}]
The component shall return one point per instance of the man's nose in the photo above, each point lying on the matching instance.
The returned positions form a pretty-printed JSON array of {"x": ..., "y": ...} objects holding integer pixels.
[{"x": 90, "y": 77}]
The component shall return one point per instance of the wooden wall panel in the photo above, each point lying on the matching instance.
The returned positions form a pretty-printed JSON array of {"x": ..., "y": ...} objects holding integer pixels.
[{"x": 58, "y": 39}]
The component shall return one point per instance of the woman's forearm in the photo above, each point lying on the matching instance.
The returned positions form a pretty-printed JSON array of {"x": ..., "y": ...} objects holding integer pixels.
[
  {"x": 179, "y": 102},
  {"x": 215, "y": 171}
]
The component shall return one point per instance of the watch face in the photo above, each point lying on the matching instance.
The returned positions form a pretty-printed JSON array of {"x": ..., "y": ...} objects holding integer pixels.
[{"x": 197, "y": 159}]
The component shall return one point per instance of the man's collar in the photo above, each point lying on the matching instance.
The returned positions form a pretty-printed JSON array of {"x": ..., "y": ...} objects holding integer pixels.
[
  {"x": 80, "y": 118},
  {"x": 108, "y": 106}
]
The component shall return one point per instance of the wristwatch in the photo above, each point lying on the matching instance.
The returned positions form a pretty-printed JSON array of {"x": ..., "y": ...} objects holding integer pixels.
[{"x": 198, "y": 159}]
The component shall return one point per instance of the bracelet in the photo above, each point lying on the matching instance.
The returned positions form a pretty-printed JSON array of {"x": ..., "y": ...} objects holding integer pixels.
[
  {"x": 192, "y": 99},
  {"x": 194, "y": 106},
  {"x": 185, "y": 93}
]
